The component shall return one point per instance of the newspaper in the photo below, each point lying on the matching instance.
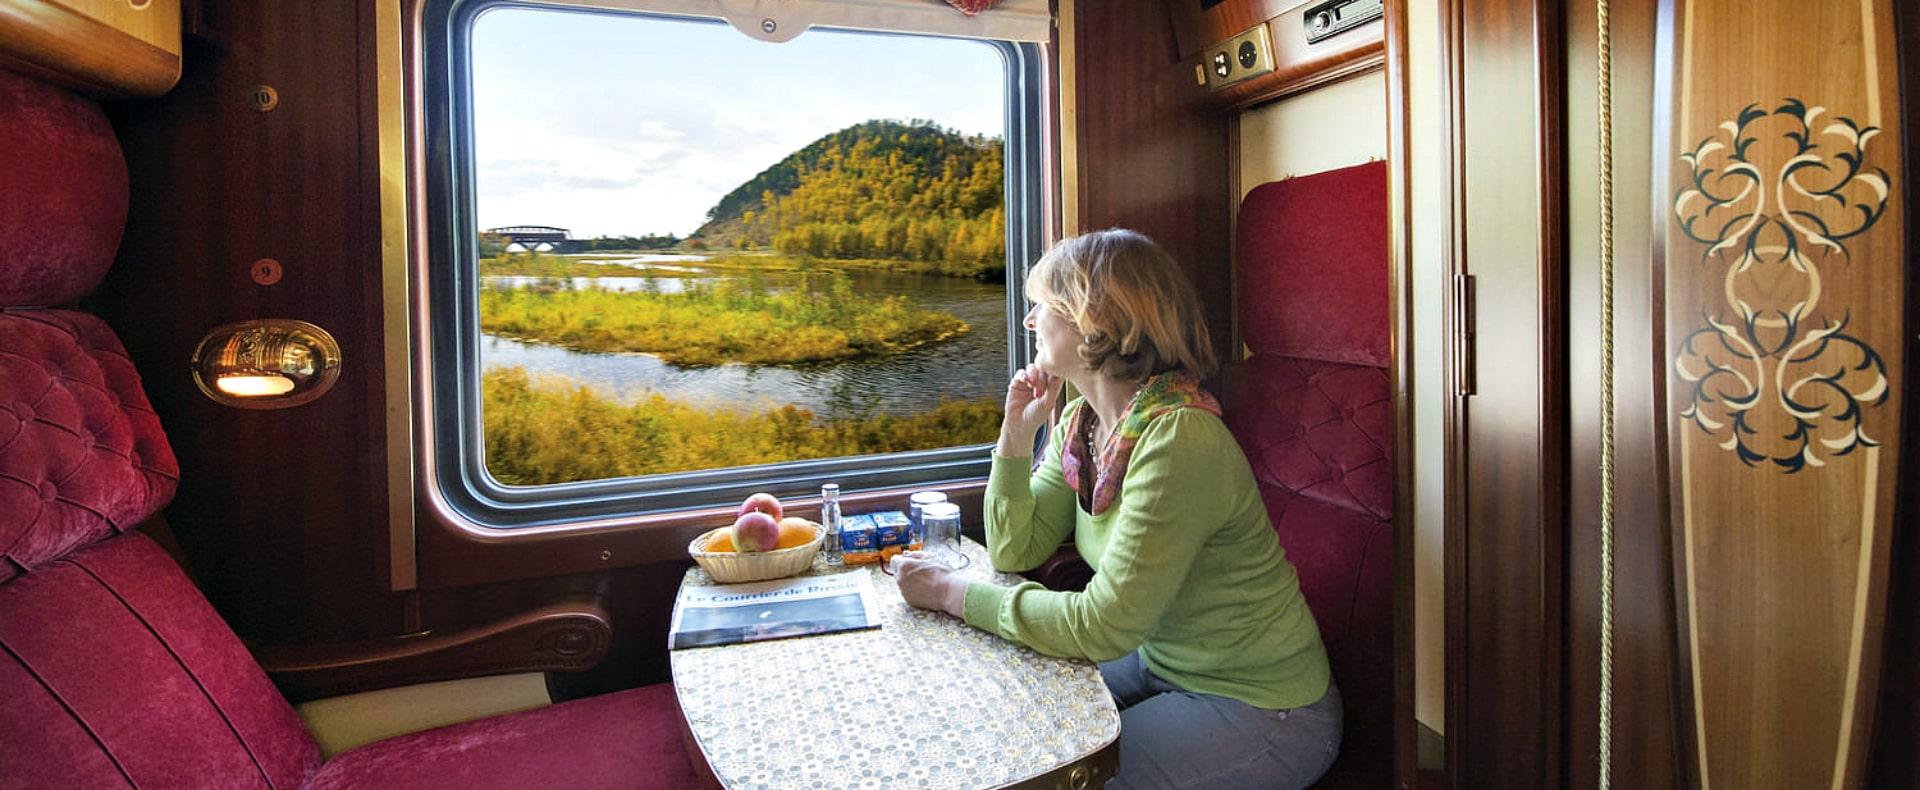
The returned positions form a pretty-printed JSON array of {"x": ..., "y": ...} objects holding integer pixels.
[{"x": 728, "y": 613}]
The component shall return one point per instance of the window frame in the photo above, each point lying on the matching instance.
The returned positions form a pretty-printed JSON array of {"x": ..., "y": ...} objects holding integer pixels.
[{"x": 451, "y": 370}]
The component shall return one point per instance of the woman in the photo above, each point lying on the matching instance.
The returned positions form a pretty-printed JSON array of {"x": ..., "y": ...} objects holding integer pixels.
[{"x": 1194, "y": 612}]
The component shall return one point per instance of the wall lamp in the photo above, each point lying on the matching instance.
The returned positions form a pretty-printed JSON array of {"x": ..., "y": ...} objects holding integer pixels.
[{"x": 270, "y": 363}]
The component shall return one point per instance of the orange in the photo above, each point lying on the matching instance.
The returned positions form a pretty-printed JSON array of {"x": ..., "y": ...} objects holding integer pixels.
[
  {"x": 720, "y": 540},
  {"x": 794, "y": 532}
]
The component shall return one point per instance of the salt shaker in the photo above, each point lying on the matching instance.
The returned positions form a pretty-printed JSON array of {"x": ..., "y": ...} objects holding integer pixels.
[{"x": 830, "y": 519}]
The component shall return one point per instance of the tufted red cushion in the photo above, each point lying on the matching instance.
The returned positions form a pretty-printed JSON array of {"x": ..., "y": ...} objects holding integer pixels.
[
  {"x": 1345, "y": 561},
  {"x": 1320, "y": 429},
  {"x": 82, "y": 455},
  {"x": 1312, "y": 266},
  {"x": 1312, "y": 407},
  {"x": 63, "y": 194},
  {"x": 1318, "y": 436}
]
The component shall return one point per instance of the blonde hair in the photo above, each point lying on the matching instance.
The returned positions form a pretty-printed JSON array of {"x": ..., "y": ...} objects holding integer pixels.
[{"x": 1137, "y": 313}]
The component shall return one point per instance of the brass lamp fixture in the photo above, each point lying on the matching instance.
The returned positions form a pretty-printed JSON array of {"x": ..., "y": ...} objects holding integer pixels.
[{"x": 269, "y": 363}]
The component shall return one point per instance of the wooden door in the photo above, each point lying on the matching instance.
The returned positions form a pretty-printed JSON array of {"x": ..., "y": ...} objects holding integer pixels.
[
  {"x": 1784, "y": 284},
  {"x": 1506, "y": 470},
  {"x": 1763, "y": 297}
]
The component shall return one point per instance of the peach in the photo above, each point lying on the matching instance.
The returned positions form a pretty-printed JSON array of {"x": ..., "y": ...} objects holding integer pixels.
[{"x": 755, "y": 531}]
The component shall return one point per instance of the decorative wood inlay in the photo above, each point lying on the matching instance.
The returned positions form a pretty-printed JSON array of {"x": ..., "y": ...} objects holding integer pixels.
[
  {"x": 1773, "y": 374},
  {"x": 1784, "y": 330}
]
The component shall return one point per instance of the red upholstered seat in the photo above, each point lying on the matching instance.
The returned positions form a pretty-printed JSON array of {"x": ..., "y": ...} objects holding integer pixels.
[
  {"x": 1311, "y": 405},
  {"x": 114, "y": 670},
  {"x": 117, "y": 673},
  {"x": 624, "y": 739}
]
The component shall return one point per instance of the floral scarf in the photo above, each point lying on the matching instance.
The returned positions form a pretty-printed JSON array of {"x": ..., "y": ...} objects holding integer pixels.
[{"x": 1161, "y": 394}]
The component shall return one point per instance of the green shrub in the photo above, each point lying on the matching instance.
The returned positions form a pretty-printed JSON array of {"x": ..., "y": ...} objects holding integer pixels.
[{"x": 737, "y": 320}]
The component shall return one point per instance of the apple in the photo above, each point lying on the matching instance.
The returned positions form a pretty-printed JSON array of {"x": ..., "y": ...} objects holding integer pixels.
[
  {"x": 755, "y": 531},
  {"x": 765, "y": 503}
]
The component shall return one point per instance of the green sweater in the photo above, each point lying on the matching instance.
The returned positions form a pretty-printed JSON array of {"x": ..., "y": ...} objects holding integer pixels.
[{"x": 1186, "y": 568}]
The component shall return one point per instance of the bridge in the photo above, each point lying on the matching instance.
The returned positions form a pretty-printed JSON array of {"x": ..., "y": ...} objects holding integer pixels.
[{"x": 532, "y": 236}]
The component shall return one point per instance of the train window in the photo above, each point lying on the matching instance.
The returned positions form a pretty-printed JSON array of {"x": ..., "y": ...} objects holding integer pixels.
[{"x": 670, "y": 264}]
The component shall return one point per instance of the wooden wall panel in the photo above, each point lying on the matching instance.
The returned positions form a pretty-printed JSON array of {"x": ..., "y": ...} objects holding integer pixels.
[
  {"x": 1784, "y": 293},
  {"x": 1151, "y": 156},
  {"x": 1642, "y": 700},
  {"x": 281, "y": 513}
]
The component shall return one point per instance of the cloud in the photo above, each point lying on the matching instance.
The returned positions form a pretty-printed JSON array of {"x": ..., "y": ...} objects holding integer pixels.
[
  {"x": 510, "y": 179},
  {"x": 611, "y": 125}
]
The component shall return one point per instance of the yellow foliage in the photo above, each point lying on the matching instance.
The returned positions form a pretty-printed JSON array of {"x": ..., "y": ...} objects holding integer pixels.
[{"x": 549, "y": 430}]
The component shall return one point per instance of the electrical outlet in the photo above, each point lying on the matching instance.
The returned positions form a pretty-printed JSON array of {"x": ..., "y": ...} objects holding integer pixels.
[{"x": 1247, "y": 55}]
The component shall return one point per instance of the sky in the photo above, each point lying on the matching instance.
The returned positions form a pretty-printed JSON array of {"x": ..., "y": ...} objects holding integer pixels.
[{"x": 611, "y": 125}]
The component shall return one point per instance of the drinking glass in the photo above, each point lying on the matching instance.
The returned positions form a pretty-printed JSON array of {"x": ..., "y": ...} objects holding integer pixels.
[
  {"x": 915, "y": 504},
  {"x": 941, "y": 525}
]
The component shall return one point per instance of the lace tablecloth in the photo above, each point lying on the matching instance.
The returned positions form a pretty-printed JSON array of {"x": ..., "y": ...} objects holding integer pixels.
[{"x": 924, "y": 701}]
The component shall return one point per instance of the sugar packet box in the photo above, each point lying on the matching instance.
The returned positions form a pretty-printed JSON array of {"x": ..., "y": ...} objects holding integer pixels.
[
  {"x": 858, "y": 541},
  {"x": 893, "y": 531},
  {"x": 892, "y": 528}
]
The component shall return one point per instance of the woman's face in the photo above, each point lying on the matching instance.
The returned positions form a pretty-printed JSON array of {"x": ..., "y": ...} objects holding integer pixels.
[{"x": 1055, "y": 339}]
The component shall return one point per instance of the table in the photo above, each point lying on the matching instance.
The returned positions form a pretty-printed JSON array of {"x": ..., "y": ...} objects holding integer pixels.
[{"x": 924, "y": 701}]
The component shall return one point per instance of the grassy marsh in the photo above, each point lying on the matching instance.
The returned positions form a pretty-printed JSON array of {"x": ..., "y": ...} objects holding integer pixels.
[
  {"x": 544, "y": 430},
  {"x": 823, "y": 319}
]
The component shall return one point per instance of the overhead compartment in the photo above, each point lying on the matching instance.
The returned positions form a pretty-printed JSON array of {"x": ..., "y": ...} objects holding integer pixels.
[
  {"x": 104, "y": 48},
  {"x": 1252, "y": 51}
]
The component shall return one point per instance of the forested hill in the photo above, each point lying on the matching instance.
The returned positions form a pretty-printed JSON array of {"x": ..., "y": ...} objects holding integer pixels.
[{"x": 882, "y": 190}]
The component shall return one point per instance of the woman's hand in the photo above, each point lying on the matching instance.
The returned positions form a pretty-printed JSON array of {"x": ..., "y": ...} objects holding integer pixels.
[
  {"x": 926, "y": 584},
  {"x": 1031, "y": 396}
]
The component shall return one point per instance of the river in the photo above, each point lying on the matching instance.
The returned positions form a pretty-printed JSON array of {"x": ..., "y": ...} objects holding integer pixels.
[{"x": 969, "y": 367}]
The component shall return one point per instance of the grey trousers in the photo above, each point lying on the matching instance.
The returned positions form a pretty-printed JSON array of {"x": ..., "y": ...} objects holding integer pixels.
[{"x": 1172, "y": 738}]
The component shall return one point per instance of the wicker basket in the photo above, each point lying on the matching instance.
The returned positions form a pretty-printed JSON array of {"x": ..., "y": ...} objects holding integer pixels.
[{"x": 729, "y": 567}]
